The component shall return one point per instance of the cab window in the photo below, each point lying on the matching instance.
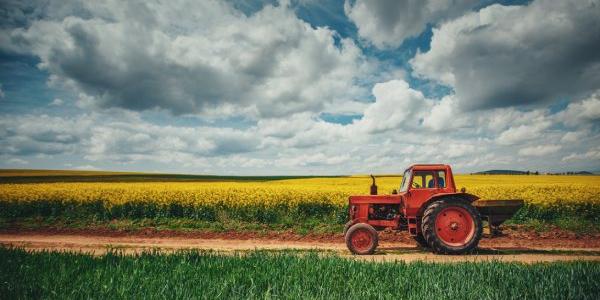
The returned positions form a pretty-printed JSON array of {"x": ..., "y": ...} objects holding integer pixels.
[
  {"x": 405, "y": 181},
  {"x": 423, "y": 180},
  {"x": 441, "y": 179}
]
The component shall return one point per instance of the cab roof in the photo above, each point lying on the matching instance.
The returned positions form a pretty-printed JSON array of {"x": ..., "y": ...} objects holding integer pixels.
[{"x": 422, "y": 167}]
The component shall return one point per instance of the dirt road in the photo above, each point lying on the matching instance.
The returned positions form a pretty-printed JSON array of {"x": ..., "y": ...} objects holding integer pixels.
[{"x": 500, "y": 249}]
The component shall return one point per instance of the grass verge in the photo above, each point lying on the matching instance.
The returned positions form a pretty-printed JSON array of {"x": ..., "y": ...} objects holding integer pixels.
[
  {"x": 569, "y": 224},
  {"x": 302, "y": 226},
  {"x": 307, "y": 226},
  {"x": 195, "y": 274}
]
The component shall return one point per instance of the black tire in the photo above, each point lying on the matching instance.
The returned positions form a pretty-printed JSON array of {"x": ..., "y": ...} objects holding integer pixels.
[
  {"x": 431, "y": 235},
  {"x": 421, "y": 241},
  {"x": 362, "y": 228}
]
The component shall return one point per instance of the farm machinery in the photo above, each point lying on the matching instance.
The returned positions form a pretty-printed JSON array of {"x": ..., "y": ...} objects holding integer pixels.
[{"x": 429, "y": 207}]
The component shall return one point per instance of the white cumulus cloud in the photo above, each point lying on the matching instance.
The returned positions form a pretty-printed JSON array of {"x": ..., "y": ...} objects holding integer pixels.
[
  {"x": 396, "y": 105},
  {"x": 504, "y": 56},
  {"x": 386, "y": 23},
  {"x": 191, "y": 57},
  {"x": 540, "y": 150}
]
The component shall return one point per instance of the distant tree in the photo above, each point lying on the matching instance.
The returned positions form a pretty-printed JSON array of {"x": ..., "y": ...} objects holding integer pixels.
[
  {"x": 536, "y": 173},
  {"x": 527, "y": 173}
]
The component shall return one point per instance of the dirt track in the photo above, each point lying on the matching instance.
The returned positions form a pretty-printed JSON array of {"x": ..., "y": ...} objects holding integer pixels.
[{"x": 526, "y": 250}]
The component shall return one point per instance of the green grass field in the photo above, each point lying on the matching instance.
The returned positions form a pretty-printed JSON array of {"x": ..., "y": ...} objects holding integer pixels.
[{"x": 277, "y": 275}]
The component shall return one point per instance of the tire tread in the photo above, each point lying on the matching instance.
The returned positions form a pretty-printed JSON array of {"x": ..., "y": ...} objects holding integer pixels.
[
  {"x": 428, "y": 226},
  {"x": 371, "y": 230}
]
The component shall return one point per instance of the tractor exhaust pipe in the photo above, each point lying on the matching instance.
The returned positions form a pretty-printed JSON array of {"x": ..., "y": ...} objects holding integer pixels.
[{"x": 373, "y": 186}]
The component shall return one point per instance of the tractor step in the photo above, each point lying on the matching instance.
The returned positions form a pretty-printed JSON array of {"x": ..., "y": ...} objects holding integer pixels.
[{"x": 413, "y": 224}]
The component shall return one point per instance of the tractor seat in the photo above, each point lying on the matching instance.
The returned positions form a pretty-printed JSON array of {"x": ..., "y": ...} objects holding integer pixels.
[{"x": 431, "y": 183}]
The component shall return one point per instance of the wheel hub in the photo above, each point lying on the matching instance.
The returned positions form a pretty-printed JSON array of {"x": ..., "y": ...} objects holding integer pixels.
[
  {"x": 361, "y": 239},
  {"x": 455, "y": 226}
]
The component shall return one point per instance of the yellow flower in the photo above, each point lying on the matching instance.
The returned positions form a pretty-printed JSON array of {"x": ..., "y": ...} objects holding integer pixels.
[{"x": 543, "y": 191}]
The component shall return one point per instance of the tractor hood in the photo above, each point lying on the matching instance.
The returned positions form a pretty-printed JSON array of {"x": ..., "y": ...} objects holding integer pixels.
[{"x": 379, "y": 199}]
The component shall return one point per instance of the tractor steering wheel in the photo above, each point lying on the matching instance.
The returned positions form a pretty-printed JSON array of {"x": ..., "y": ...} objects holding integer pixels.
[{"x": 415, "y": 185}]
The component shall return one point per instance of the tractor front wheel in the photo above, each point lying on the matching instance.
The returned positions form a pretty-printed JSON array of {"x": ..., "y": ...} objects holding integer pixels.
[
  {"x": 362, "y": 239},
  {"x": 452, "y": 226}
]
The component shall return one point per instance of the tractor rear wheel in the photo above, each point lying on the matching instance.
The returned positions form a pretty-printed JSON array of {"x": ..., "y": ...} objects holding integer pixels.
[
  {"x": 452, "y": 226},
  {"x": 421, "y": 241},
  {"x": 362, "y": 239}
]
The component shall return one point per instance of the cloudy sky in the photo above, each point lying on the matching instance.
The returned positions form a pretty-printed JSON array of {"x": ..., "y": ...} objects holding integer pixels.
[{"x": 299, "y": 87}]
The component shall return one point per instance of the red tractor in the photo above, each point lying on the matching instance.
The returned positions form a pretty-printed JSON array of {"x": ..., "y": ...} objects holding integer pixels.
[{"x": 430, "y": 208}]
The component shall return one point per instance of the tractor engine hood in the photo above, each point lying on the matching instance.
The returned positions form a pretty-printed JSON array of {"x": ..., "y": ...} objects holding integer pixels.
[{"x": 378, "y": 199}]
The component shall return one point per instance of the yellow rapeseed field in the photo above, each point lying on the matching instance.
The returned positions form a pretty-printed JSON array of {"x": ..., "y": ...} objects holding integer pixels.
[{"x": 542, "y": 190}]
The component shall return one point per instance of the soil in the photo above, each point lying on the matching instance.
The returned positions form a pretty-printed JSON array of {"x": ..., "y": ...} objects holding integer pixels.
[{"x": 514, "y": 246}]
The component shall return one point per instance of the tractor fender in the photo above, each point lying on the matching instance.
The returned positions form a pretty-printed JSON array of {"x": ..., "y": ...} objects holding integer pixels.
[
  {"x": 348, "y": 225},
  {"x": 454, "y": 196}
]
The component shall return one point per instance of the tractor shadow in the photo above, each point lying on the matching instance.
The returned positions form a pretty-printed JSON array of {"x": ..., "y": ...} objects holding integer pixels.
[
  {"x": 400, "y": 250},
  {"x": 525, "y": 250},
  {"x": 489, "y": 251}
]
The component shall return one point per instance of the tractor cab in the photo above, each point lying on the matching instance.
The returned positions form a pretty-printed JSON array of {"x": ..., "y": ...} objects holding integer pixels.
[
  {"x": 423, "y": 183},
  {"x": 437, "y": 177}
]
